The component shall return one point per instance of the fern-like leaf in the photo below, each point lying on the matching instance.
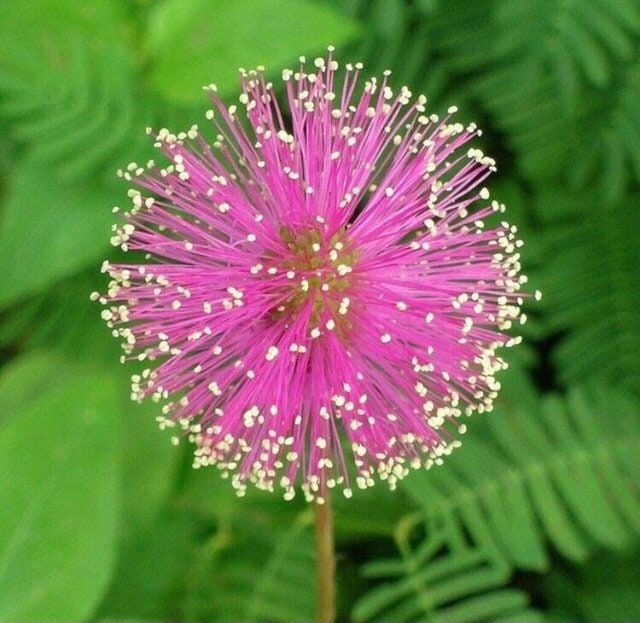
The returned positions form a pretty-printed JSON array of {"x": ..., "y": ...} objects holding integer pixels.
[
  {"x": 594, "y": 141},
  {"x": 448, "y": 577},
  {"x": 531, "y": 63},
  {"x": 558, "y": 470},
  {"x": 590, "y": 277}
]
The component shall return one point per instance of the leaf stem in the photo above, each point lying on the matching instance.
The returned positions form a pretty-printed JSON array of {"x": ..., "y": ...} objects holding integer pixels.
[{"x": 325, "y": 562}]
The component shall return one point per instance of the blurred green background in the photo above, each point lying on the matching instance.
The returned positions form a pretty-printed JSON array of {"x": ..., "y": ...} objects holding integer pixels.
[{"x": 535, "y": 518}]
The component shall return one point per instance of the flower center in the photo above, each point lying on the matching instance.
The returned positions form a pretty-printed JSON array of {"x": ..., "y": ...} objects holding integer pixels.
[{"x": 320, "y": 271}]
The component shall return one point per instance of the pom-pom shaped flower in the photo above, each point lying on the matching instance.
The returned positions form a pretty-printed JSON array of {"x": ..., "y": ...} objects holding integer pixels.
[{"x": 321, "y": 300}]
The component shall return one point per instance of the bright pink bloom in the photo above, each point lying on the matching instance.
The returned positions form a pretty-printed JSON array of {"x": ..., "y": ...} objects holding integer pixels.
[{"x": 321, "y": 300}]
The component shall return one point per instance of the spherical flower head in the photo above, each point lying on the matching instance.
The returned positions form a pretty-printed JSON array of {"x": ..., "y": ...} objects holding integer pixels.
[{"x": 320, "y": 300}]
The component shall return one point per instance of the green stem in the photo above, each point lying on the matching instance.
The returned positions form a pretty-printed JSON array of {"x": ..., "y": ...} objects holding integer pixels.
[{"x": 325, "y": 562}]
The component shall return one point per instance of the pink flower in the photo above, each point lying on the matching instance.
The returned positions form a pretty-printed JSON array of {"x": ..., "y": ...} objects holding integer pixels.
[{"x": 321, "y": 301}]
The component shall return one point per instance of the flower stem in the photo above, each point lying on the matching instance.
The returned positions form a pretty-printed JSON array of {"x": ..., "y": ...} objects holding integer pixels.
[{"x": 325, "y": 562}]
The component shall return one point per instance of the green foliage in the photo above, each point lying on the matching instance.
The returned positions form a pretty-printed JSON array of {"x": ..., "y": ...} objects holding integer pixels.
[
  {"x": 51, "y": 320},
  {"x": 603, "y": 591},
  {"x": 154, "y": 570},
  {"x": 217, "y": 38},
  {"x": 268, "y": 546},
  {"x": 149, "y": 466},
  {"x": 102, "y": 519},
  {"x": 446, "y": 578},
  {"x": 67, "y": 81},
  {"x": 591, "y": 279},
  {"x": 551, "y": 470},
  {"x": 532, "y": 65},
  {"x": 26, "y": 379},
  {"x": 390, "y": 24},
  {"x": 557, "y": 471},
  {"x": 267, "y": 562},
  {"x": 59, "y": 461},
  {"x": 41, "y": 242},
  {"x": 354, "y": 520}
]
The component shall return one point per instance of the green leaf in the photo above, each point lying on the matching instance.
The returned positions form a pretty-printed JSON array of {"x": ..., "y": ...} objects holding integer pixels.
[
  {"x": 49, "y": 229},
  {"x": 59, "y": 316},
  {"x": 59, "y": 516},
  {"x": 199, "y": 42}
]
